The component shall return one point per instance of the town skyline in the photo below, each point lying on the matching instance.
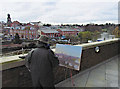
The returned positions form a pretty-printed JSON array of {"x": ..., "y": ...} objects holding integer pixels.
[{"x": 54, "y": 12}]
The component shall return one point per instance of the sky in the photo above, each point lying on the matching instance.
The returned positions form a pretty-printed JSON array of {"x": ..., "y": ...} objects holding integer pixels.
[{"x": 60, "y": 11}]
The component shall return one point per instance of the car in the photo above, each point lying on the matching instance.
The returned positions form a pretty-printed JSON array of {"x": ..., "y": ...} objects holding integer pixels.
[
  {"x": 90, "y": 41},
  {"x": 53, "y": 40},
  {"x": 63, "y": 41}
]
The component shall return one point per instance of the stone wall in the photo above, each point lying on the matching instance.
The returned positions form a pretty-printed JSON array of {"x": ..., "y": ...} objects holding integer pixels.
[{"x": 20, "y": 77}]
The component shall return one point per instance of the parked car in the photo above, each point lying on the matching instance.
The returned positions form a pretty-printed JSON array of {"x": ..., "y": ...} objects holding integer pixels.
[
  {"x": 62, "y": 41},
  {"x": 53, "y": 40}
]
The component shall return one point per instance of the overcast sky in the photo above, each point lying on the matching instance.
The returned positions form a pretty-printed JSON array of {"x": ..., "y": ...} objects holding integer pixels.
[{"x": 60, "y": 11}]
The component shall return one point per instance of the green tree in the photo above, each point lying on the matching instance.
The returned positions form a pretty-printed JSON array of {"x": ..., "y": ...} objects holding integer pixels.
[
  {"x": 80, "y": 36},
  {"x": 104, "y": 30},
  {"x": 72, "y": 38},
  {"x": 85, "y": 36}
]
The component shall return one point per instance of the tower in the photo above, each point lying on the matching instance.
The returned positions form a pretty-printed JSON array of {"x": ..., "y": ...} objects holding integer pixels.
[{"x": 8, "y": 20}]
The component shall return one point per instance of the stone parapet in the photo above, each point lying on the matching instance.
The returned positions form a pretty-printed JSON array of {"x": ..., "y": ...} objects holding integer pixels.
[{"x": 15, "y": 74}]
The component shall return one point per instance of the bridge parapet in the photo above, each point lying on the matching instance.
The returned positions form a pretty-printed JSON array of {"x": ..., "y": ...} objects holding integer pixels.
[{"x": 15, "y": 74}]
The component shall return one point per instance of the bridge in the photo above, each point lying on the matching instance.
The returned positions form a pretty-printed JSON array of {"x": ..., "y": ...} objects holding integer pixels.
[{"x": 96, "y": 70}]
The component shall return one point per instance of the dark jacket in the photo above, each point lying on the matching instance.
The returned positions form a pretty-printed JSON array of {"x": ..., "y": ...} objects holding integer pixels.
[{"x": 42, "y": 63}]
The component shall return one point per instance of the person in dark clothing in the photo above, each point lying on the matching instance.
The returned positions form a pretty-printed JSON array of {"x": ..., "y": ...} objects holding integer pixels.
[{"x": 41, "y": 65}]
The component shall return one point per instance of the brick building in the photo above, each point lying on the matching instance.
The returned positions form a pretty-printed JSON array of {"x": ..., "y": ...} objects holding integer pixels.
[
  {"x": 24, "y": 34},
  {"x": 26, "y": 31},
  {"x": 50, "y": 33},
  {"x": 64, "y": 32},
  {"x": 15, "y": 24},
  {"x": 55, "y": 33}
]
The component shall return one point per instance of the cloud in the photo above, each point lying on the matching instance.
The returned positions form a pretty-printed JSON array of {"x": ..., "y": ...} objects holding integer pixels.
[
  {"x": 83, "y": 12},
  {"x": 60, "y": 0},
  {"x": 61, "y": 11}
]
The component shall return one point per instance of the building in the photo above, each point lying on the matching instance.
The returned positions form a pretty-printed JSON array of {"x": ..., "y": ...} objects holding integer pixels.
[
  {"x": 24, "y": 33},
  {"x": 56, "y": 33},
  {"x": 64, "y": 32},
  {"x": 106, "y": 36},
  {"x": 9, "y": 20},
  {"x": 37, "y": 23},
  {"x": 1, "y": 27},
  {"x": 50, "y": 33},
  {"x": 15, "y": 24}
]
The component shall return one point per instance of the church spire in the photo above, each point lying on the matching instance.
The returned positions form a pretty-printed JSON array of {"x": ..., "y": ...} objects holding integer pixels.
[{"x": 8, "y": 20}]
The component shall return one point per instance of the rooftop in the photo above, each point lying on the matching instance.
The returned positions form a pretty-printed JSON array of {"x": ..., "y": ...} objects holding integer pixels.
[
  {"x": 67, "y": 30},
  {"x": 50, "y": 31}
]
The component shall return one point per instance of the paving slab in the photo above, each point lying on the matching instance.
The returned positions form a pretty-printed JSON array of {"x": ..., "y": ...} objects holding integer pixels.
[
  {"x": 97, "y": 77},
  {"x": 103, "y": 76},
  {"x": 79, "y": 82},
  {"x": 112, "y": 73}
]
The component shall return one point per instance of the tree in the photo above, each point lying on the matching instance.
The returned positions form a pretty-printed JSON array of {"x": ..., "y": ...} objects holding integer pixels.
[
  {"x": 96, "y": 35},
  {"x": 80, "y": 35},
  {"x": 104, "y": 30},
  {"x": 85, "y": 36},
  {"x": 17, "y": 39},
  {"x": 116, "y": 32},
  {"x": 72, "y": 38},
  {"x": 48, "y": 25}
]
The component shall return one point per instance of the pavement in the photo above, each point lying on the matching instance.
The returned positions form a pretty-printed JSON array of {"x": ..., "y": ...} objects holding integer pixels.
[{"x": 104, "y": 74}]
